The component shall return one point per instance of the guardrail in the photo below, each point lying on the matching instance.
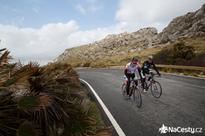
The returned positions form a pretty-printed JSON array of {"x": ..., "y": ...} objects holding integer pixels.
[{"x": 189, "y": 70}]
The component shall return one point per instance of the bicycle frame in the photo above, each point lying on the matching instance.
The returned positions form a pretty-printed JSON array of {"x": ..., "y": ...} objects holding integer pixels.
[
  {"x": 132, "y": 85},
  {"x": 134, "y": 92},
  {"x": 151, "y": 80}
]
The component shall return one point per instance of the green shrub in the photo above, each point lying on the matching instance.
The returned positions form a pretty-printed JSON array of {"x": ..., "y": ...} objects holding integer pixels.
[
  {"x": 177, "y": 54},
  {"x": 181, "y": 51},
  {"x": 87, "y": 64}
]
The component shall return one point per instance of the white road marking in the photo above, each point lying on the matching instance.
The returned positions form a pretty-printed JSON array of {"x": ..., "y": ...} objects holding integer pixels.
[{"x": 111, "y": 118}]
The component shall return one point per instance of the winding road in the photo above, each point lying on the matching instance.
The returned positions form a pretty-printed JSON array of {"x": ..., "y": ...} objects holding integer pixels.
[{"x": 182, "y": 103}]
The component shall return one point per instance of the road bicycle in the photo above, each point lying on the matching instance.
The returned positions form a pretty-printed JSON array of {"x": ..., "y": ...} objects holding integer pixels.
[
  {"x": 153, "y": 85},
  {"x": 134, "y": 92}
]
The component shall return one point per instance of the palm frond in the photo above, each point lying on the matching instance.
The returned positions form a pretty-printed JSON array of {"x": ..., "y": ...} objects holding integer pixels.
[
  {"x": 4, "y": 58},
  {"x": 43, "y": 110},
  {"x": 26, "y": 129},
  {"x": 2, "y": 49}
]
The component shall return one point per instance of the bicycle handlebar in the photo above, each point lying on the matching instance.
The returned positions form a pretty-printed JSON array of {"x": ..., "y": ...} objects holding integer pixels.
[{"x": 155, "y": 74}]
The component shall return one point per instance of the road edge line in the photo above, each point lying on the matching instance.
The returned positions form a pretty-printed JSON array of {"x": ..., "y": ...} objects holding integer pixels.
[{"x": 107, "y": 112}]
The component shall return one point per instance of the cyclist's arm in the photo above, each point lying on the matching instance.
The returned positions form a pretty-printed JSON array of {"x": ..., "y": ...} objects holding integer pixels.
[
  {"x": 139, "y": 71},
  {"x": 155, "y": 68},
  {"x": 126, "y": 70}
]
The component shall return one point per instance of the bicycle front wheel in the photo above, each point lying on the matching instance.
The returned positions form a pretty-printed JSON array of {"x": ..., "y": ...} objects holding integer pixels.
[
  {"x": 137, "y": 98},
  {"x": 123, "y": 89},
  {"x": 156, "y": 89}
]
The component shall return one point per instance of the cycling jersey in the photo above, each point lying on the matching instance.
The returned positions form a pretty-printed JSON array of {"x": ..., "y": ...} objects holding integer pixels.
[
  {"x": 147, "y": 65},
  {"x": 146, "y": 70},
  {"x": 132, "y": 68}
]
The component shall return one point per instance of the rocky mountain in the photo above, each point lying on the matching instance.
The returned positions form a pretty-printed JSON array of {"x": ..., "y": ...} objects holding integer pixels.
[
  {"x": 119, "y": 44},
  {"x": 189, "y": 25},
  {"x": 145, "y": 41}
]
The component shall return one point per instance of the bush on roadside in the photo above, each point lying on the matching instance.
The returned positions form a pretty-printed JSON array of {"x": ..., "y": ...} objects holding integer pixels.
[{"x": 176, "y": 54}]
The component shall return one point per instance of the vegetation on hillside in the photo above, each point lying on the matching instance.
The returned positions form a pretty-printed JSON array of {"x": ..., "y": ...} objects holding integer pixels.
[
  {"x": 186, "y": 51},
  {"x": 44, "y": 101},
  {"x": 114, "y": 60}
]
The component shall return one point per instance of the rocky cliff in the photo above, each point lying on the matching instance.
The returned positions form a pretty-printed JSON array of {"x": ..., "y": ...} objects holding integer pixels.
[{"x": 190, "y": 25}]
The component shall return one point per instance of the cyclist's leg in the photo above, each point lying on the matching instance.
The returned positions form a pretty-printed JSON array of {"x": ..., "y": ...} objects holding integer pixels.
[
  {"x": 128, "y": 84},
  {"x": 143, "y": 79},
  {"x": 133, "y": 77},
  {"x": 150, "y": 76}
]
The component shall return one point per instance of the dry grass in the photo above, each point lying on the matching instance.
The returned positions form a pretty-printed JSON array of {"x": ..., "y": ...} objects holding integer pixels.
[{"x": 197, "y": 42}]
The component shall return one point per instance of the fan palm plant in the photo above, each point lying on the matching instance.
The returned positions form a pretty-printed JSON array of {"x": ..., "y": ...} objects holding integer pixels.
[
  {"x": 32, "y": 105},
  {"x": 44, "y": 101}
]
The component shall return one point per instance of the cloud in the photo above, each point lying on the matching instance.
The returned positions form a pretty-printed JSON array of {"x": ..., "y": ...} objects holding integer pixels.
[
  {"x": 36, "y": 10},
  {"x": 49, "y": 41},
  {"x": 157, "y": 13},
  {"x": 88, "y": 6},
  {"x": 36, "y": 44},
  {"x": 85, "y": 37},
  {"x": 81, "y": 9},
  {"x": 46, "y": 43}
]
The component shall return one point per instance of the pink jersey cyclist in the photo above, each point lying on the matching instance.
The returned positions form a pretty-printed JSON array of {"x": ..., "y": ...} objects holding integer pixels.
[{"x": 130, "y": 70}]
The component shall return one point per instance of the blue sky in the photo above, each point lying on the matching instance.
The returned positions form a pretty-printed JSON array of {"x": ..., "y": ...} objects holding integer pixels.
[
  {"x": 40, "y": 30},
  {"x": 35, "y": 13}
]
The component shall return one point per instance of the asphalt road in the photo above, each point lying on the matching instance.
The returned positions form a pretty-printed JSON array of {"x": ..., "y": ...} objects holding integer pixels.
[{"x": 182, "y": 103}]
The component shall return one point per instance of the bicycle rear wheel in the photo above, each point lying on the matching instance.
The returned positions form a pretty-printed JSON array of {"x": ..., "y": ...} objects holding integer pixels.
[
  {"x": 137, "y": 98},
  {"x": 156, "y": 89}
]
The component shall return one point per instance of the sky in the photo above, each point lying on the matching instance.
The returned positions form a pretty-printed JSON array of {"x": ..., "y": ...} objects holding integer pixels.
[{"x": 40, "y": 30}]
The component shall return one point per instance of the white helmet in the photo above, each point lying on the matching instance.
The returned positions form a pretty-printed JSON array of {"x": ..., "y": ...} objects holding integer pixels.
[{"x": 150, "y": 57}]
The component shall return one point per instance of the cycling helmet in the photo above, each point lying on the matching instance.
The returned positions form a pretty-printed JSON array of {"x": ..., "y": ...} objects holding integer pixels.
[
  {"x": 150, "y": 57},
  {"x": 134, "y": 60}
]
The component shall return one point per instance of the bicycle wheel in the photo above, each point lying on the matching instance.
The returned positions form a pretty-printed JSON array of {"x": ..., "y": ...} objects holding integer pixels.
[
  {"x": 137, "y": 97},
  {"x": 156, "y": 89},
  {"x": 124, "y": 93},
  {"x": 139, "y": 86},
  {"x": 146, "y": 86}
]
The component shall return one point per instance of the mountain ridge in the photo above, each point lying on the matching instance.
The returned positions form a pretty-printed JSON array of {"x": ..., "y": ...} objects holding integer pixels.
[{"x": 145, "y": 40}]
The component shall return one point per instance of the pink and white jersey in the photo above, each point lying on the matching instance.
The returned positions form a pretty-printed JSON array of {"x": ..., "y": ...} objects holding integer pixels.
[{"x": 131, "y": 68}]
